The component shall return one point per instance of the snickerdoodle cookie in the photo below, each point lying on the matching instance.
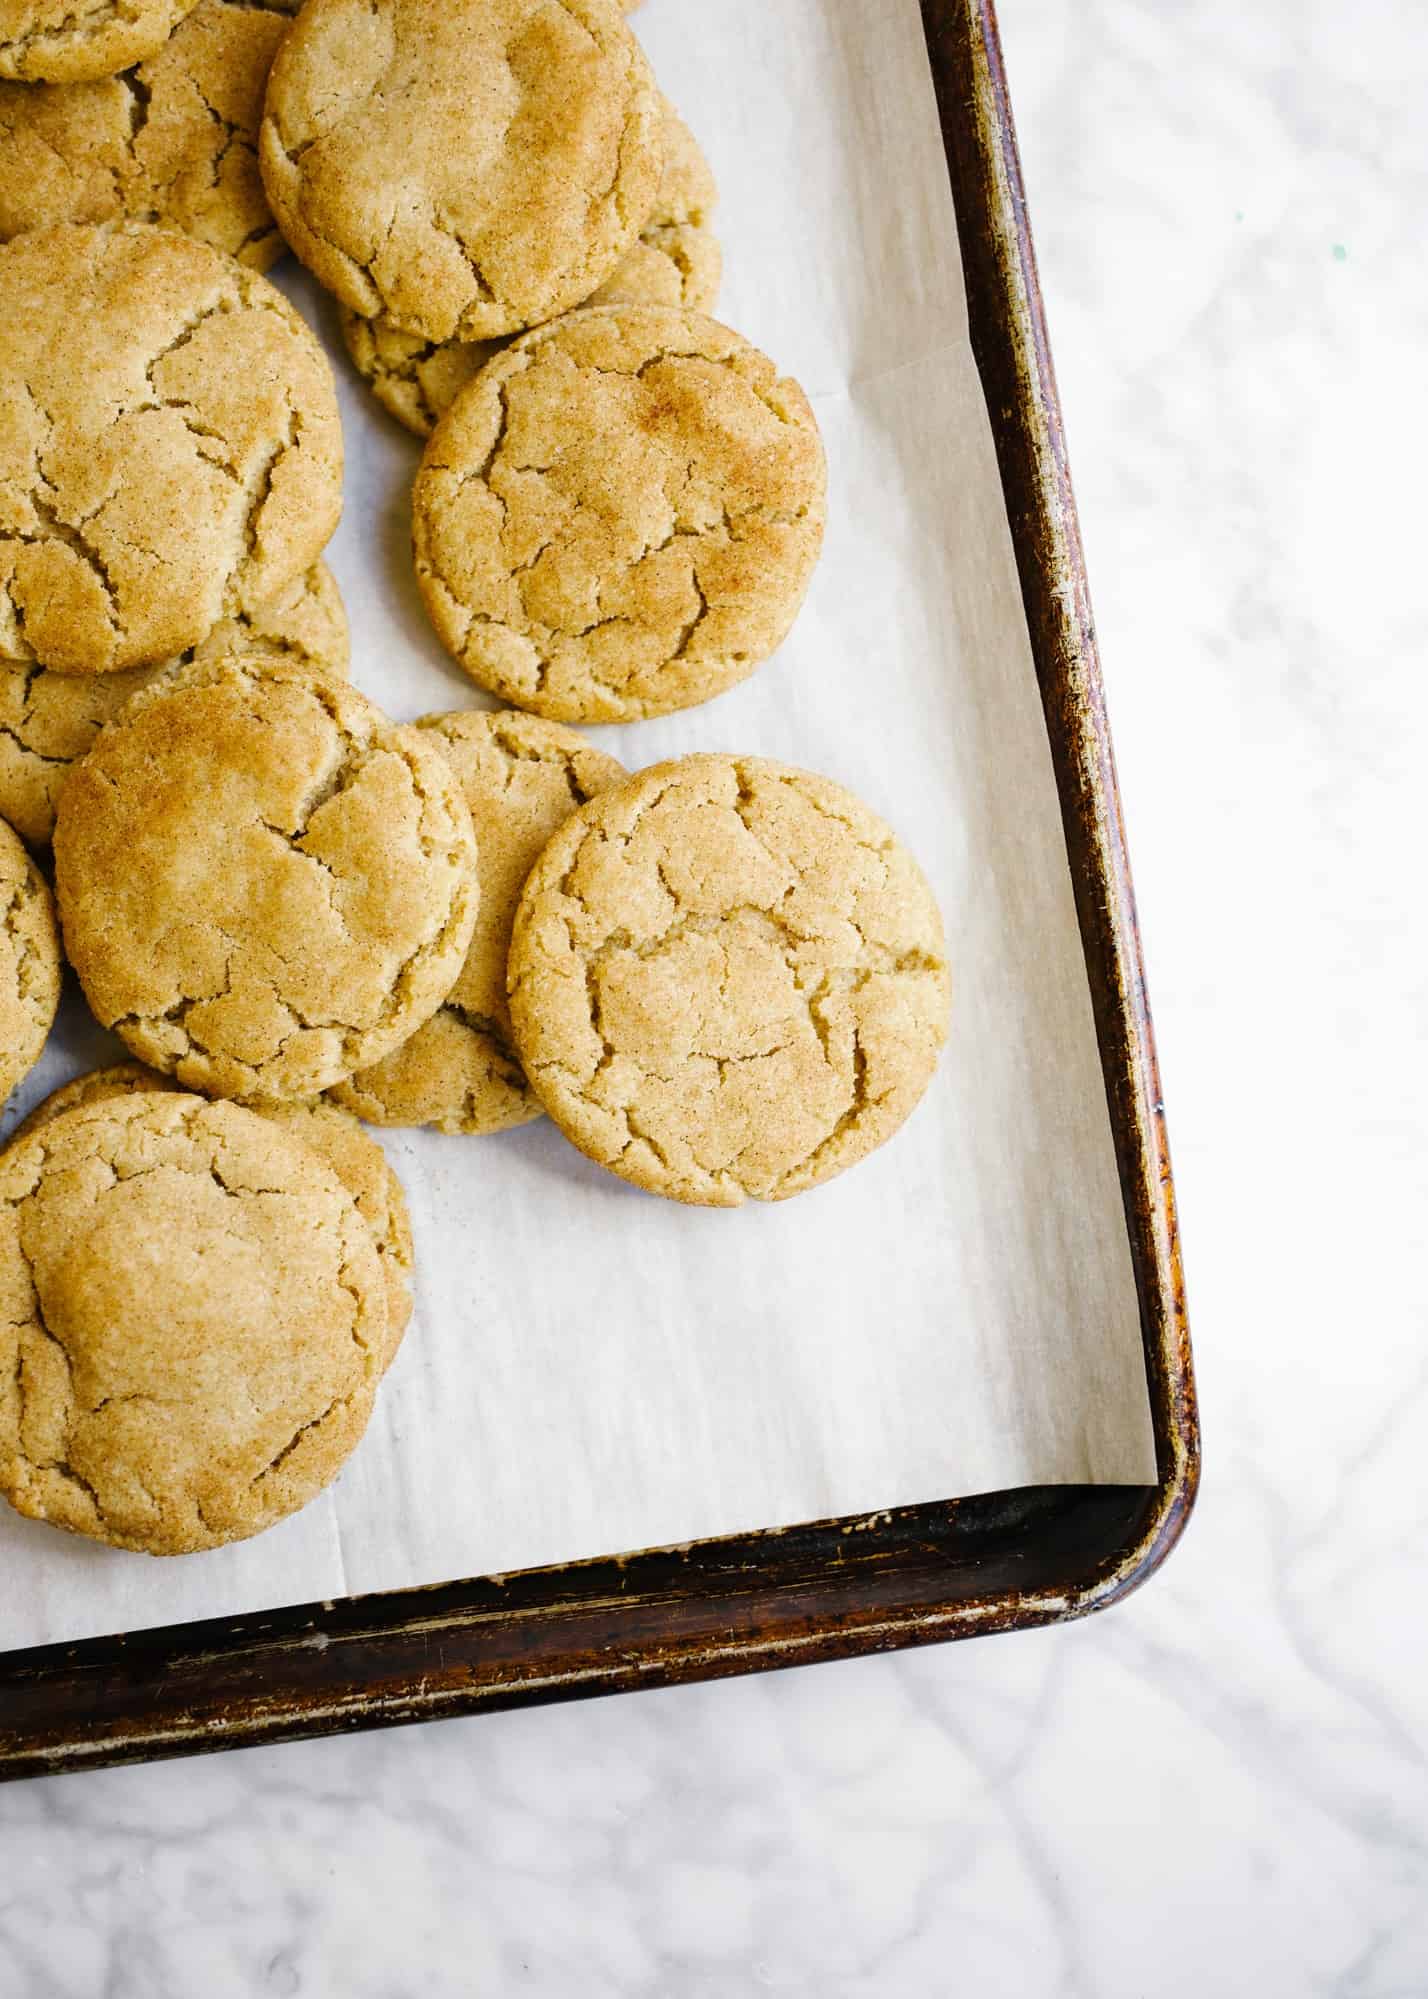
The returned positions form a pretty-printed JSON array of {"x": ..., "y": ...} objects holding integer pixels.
[
  {"x": 49, "y": 720},
  {"x": 465, "y": 170},
  {"x": 727, "y": 978},
  {"x": 335, "y": 1136},
  {"x": 194, "y": 1323},
  {"x": 57, "y": 41},
  {"x": 30, "y": 962},
  {"x": 620, "y": 515},
  {"x": 170, "y": 452},
  {"x": 174, "y": 140},
  {"x": 264, "y": 884},
  {"x": 522, "y": 779},
  {"x": 675, "y": 260}
]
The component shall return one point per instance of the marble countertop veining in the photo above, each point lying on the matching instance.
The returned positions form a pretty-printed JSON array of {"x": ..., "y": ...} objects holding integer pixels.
[{"x": 1222, "y": 1786}]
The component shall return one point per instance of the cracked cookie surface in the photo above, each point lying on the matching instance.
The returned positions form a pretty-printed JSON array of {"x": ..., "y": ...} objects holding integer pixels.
[
  {"x": 49, "y": 720},
  {"x": 464, "y": 170},
  {"x": 675, "y": 260},
  {"x": 522, "y": 778},
  {"x": 339, "y": 1142},
  {"x": 173, "y": 140},
  {"x": 264, "y": 885},
  {"x": 193, "y": 1323},
  {"x": 30, "y": 962},
  {"x": 66, "y": 41},
  {"x": 170, "y": 451},
  {"x": 728, "y": 978},
  {"x": 620, "y": 516}
]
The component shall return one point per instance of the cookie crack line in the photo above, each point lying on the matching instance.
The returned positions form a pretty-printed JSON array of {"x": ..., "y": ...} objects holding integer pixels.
[
  {"x": 489, "y": 1028},
  {"x": 141, "y": 99},
  {"x": 72, "y": 537},
  {"x": 28, "y": 749},
  {"x": 37, "y": 1323},
  {"x": 273, "y": 1464},
  {"x": 188, "y": 331},
  {"x": 259, "y": 486}
]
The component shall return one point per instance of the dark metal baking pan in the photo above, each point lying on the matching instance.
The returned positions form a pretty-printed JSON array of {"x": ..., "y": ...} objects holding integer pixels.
[{"x": 952, "y": 1569}]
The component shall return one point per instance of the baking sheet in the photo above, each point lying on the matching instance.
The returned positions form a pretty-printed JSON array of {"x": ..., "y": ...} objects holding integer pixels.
[{"x": 590, "y": 1369}]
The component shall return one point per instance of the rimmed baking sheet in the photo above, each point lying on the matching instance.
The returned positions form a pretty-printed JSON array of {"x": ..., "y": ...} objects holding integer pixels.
[{"x": 591, "y": 1370}]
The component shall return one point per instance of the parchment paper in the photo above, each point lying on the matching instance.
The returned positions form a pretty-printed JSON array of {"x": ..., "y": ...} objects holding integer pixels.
[{"x": 592, "y": 1370}]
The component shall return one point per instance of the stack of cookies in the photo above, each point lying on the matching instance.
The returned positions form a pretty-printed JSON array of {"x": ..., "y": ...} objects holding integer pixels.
[{"x": 722, "y": 978}]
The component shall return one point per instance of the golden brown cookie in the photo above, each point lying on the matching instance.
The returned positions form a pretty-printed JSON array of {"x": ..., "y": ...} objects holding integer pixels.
[
  {"x": 337, "y": 1139},
  {"x": 522, "y": 778},
  {"x": 57, "y": 41},
  {"x": 170, "y": 452},
  {"x": 30, "y": 962},
  {"x": 264, "y": 884},
  {"x": 674, "y": 261},
  {"x": 727, "y": 978},
  {"x": 620, "y": 515},
  {"x": 193, "y": 1328},
  {"x": 174, "y": 140},
  {"x": 464, "y": 170},
  {"x": 49, "y": 720}
]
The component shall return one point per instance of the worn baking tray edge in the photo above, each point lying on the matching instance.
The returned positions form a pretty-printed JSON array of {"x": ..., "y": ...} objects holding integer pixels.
[{"x": 831, "y": 1589}]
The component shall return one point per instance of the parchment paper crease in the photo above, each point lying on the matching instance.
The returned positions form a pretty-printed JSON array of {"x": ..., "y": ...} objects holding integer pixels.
[{"x": 592, "y": 1370}]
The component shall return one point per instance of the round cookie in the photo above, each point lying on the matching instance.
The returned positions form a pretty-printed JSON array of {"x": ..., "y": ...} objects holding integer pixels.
[
  {"x": 264, "y": 884},
  {"x": 170, "y": 452},
  {"x": 174, "y": 140},
  {"x": 620, "y": 516},
  {"x": 674, "y": 261},
  {"x": 30, "y": 962},
  {"x": 464, "y": 170},
  {"x": 339, "y": 1142},
  {"x": 727, "y": 978},
  {"x": 194, "y": 1321},
  {"x": 522, "y": 778},
  {"x": 49, "y": 720},
  {"x": 53, "y": 41}
]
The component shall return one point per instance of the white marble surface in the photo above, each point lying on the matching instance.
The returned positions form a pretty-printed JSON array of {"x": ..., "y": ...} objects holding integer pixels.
[{"x": 1221, "y": 1787}]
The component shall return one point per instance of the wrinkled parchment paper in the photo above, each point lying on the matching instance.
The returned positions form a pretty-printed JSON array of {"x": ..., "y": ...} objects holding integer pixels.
[{"x": 593, "y": 1370}]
